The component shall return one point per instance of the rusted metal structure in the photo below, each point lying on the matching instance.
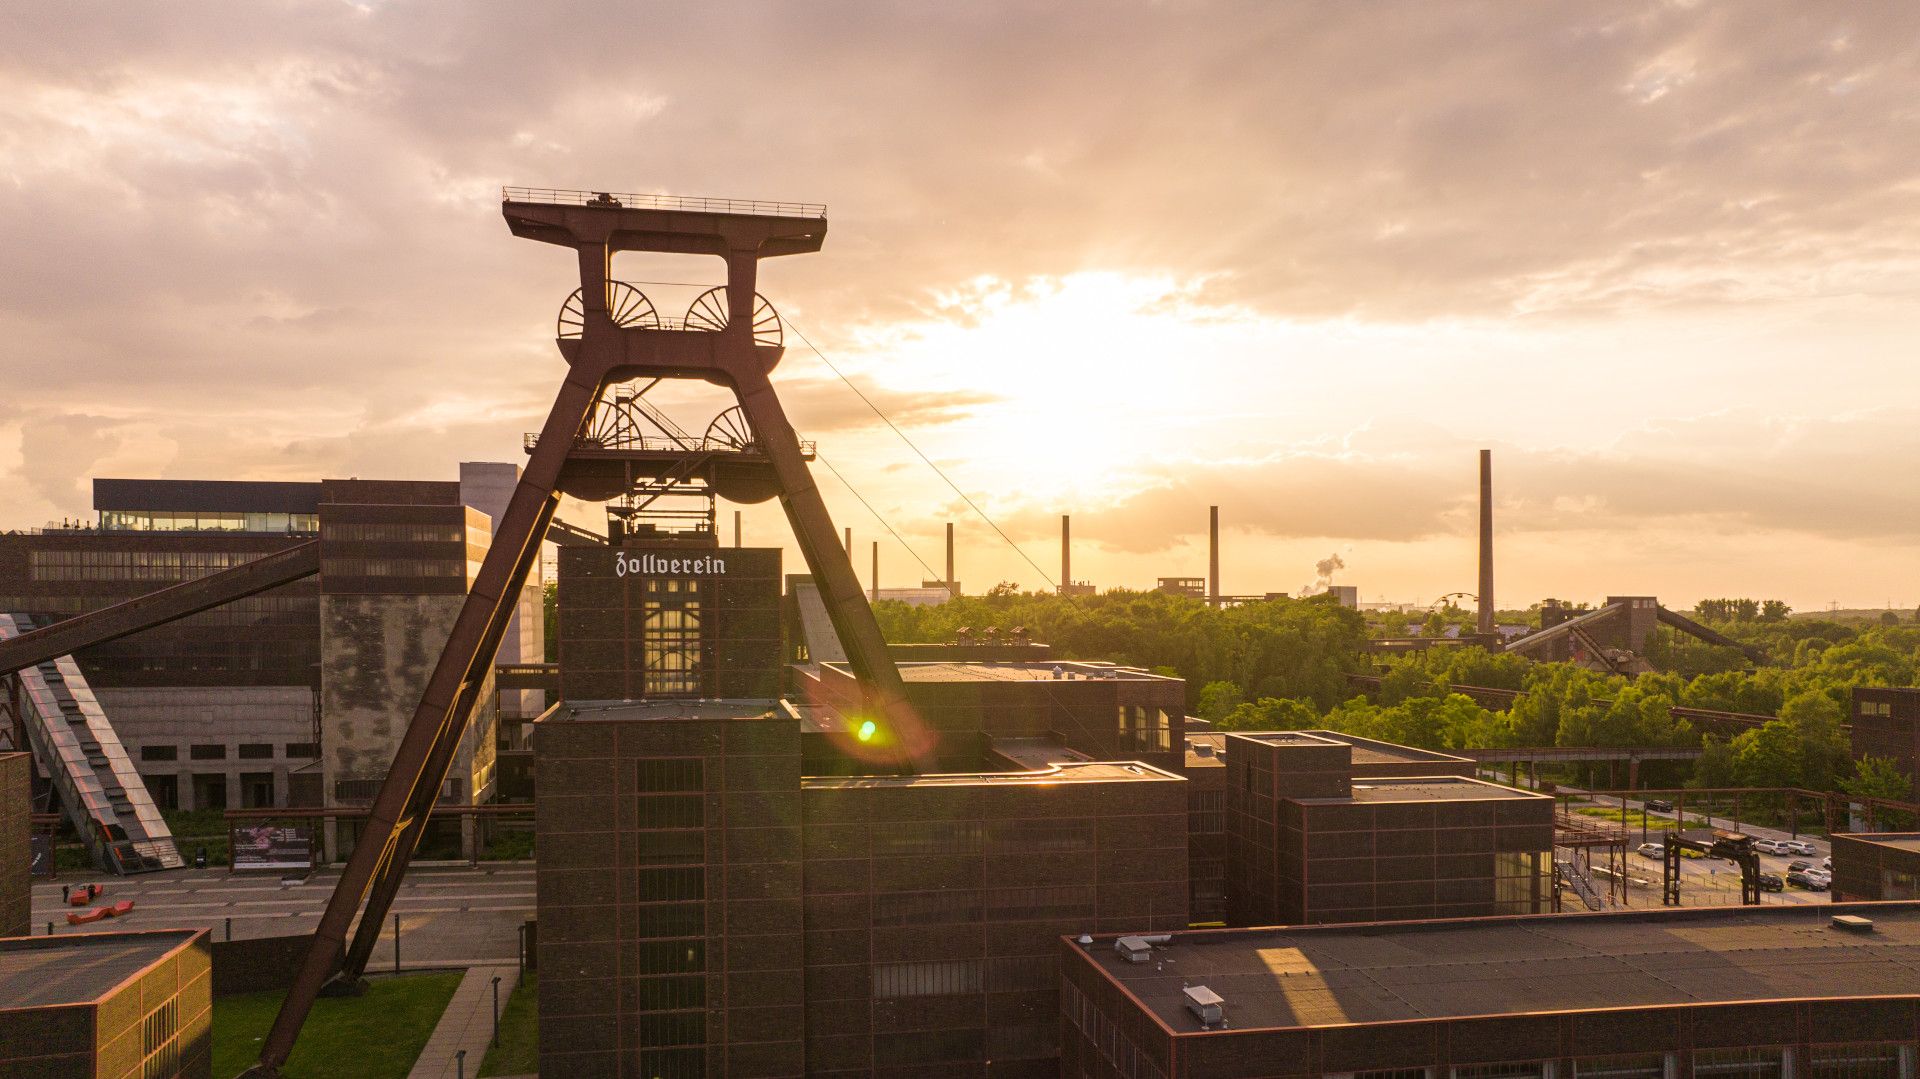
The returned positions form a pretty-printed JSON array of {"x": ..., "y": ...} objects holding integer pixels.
[{"x": 610, "y": 333}]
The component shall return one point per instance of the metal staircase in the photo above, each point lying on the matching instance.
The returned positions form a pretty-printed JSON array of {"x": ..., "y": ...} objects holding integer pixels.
[{"x": 104, "y": 796}]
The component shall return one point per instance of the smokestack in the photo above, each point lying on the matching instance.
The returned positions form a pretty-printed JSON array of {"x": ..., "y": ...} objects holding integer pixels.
[
  {"x": 1066, "y": 551},
  {"x": 1486, "y": 543},
  {"x": 736, "y": 528},
  {"x": 952, "y": 589},
  {"x": 849, "y": 543},
  {"x": 1213, "y": 555},
  {"x": 873, "y": 588}
]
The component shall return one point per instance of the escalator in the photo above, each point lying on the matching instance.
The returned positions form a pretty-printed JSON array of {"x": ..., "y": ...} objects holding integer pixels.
[{"x": 104, "y": 797}]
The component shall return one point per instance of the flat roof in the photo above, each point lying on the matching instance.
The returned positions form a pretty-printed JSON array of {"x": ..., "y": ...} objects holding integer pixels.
[
  {"x": 1897, "y": 840},
  {"x": 1015, "y": 671},
  {"x": 1320, "y": 976},
  {"x": 722, "y": 708},
  {"x": 1037, "y": 751},
  {"x": 1288, "y": 738},
  {"x": 1374, "y": 751},
  {"x": 1064, "y": 772},
  {"x": 210, "y": 496},
  {"x": 36, "y": 972},
  {"x": 1425, "y": 789}
]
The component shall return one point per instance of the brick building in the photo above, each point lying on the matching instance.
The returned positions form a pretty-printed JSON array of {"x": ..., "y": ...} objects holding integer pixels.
[
  {"x": 1886, "y": 723},
  {"x": 723, "y": 910},
  {"x": 133, "y": 1005},
  {"x": 1876, "y": 865},
  {"x": 16, "y": 807},
  {"x": 1770, "y": 992}
]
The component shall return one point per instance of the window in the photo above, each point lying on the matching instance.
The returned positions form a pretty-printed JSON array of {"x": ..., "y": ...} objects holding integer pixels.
[
  {"x": 355, "y": 791},
  {"x": 207, "y": 753},
  {"x": 667, "y": 994},
  {"x": 1040, "y": 836},
  {"x": 670, "y": 956},
  {"x": 674, "y": 774},
  {"x": 393, "y": 567},
  {"x": 944, "y": 977},
  {"x": 673, "y": 848},
  {"x": 1861, "y": 1060},
  {"x": 1519, "y": 1069},
  {"x": 929, "y": 837},
  {"x": 672, "y": 811},
  {"x": 303, "y": 751},
  {"x": 664, "y": 885},
  {"x": 165, "y": 791},
  {"x": 256, "y": 751},
  {"x": 1039, "y": 904},
  {"x": 1621, "y": 1066},
  {"x": 159, "y": 753},
  {"x": 365, "y": 532},
  {"x": 673, "y": 920},
  {"x": 946, "y": 907},
  {"x": 1873, "y": 708},
  {"x": 674, "y": 1064},
  {"x": 681, "y": 1028},
  {"x": 1744, "y": 1062}
]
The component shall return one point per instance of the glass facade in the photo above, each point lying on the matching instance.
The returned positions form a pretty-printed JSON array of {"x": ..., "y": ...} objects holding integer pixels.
[
  {"x": 205, "y": 521},
  {"x": 670, "y": 637}
]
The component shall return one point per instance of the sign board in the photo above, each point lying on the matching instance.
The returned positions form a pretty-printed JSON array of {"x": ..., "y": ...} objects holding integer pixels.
[
  {"x": 40, "y": 849},
  {"x": 272, "y": 846}
]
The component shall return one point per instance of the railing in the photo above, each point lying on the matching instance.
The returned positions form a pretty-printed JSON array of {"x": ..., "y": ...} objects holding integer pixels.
[
  {"x": 651, "y": 443},
  {"x": 631, "y": 200}
]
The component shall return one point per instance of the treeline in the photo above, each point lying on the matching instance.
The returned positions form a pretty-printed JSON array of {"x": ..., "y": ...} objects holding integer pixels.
[{"x": 1290, "y": 648}]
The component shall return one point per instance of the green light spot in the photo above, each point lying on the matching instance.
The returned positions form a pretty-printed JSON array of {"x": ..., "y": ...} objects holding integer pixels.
[{"x": 866, "y": 731}]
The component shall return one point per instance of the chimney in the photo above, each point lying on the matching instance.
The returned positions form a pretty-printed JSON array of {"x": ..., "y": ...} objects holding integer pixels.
[
  {"x": 1213, "y": 555},
  {"x": 873, "y": 582},
  {"x": 952, "y": 589},
  {"x": 736, "y": 528},
  {"x": 1066, "y": 551},
  {"x": 849, "y": 543},
  {"x": 1486, "y": 543}
]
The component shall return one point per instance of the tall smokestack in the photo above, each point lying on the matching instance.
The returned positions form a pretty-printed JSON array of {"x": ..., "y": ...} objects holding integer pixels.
[
  {"x": 1066, "y": 551},
  {"x": 736, "y": 528},
  {"x": 952, "y": 588},
  {"x": 849, "y": 543},
  {"x": 1486, "y": 543},
  {"x": 1213, "y": 555},
  {"x": 873, "y": 586}
]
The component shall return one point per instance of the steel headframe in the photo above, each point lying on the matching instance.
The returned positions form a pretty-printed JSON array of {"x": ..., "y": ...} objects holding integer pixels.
[{"x": 601, "y": 355}]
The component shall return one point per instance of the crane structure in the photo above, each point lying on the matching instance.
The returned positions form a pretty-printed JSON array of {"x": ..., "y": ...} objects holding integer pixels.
[{"x": 610, "y": 333}]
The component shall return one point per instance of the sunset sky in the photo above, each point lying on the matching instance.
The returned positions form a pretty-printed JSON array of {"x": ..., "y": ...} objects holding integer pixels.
[{"x": 1116, "y": 260}]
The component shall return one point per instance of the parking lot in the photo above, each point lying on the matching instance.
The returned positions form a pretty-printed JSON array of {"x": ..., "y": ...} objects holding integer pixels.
[{"x": 1705, "y": 881}]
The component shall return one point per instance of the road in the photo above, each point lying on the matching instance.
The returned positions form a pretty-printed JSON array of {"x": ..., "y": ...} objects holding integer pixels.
[{"x": 448, "y": 916}]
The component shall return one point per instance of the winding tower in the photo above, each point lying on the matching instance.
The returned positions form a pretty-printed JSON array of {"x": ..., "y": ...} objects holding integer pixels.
[{"x": 598, "y": 445}]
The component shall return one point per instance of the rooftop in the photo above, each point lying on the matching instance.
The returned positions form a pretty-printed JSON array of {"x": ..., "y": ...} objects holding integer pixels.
[
  {"x": 81, "y": 968},
  {"x": 1897, "y": 840},
  {"x": 1037, "y": 752},
  {"x": 1426, "y": 789},
  {"x": 1371, "y": 751},
  {"x": 1065, "y": 772},
  {"x": 1034, "y": 671},
  {"x": 1474, "y": 967},
  {"x": 654, "y": 201},
  {"x": 608, "y": 711}
]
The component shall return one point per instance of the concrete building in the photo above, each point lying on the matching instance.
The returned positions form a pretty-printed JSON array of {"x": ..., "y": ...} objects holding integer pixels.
[
  {"x": 766, "y": 922},
  {"x": 1876, "y": 865},
  {"x": 107, "y": 1005},
  {"x": 1778, "y": 991},
  {"x": 227, "y": 708},
  {"x": 1886, "y": 723},
  {"x": 16, "y": 807}
]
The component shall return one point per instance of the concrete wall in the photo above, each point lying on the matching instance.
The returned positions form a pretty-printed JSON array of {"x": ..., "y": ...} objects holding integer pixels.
[
  {"x": 16, "y": 781},
  {"x": 228, "y": 716},
  {"x": 377, "y": 652},
  {"x": 488, "y": 486}
]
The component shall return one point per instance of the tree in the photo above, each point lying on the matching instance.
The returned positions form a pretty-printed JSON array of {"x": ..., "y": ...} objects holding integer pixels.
[
  {"x": 1878, "y": 777},
  {"x": 1888, "y": 618},
  {"x": 1271, "y": 714},
  {"x": 1774, "y": 610},
  {"x": 1217, "y": 698}
]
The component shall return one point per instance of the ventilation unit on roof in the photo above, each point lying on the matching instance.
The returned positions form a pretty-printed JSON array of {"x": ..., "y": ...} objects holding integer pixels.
[
  {"x": 1206, "y": 1004},
  {"x": 1853, "y": 923},
  {"x": 1133, "y": 949},
  {"x": 1201, "y": 749}
]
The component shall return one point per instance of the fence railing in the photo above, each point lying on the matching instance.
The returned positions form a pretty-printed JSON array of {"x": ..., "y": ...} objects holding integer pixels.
[{"x": 643, "y": 201}]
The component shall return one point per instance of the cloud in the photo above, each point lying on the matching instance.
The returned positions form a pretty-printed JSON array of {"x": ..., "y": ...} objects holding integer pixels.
[{"x": 57, "y": 451}]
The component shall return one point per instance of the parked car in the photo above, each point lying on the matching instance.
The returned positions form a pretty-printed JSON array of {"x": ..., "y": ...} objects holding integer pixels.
[
  {"x": 1799, "y": 867},
  {"x": 1827, "y": 864},
  {"x": 1772, "y": 846},
  {"x": 1770, "y": 883},
  {"x": 1659, "y": 805},
  {"x": 1799, "y": 846},
  {"x": 1813, "y": 882},
  {"x": 1655, "y": 851}
]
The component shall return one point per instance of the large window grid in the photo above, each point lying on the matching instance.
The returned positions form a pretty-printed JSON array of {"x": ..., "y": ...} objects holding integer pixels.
[
  {"x": 941, "y": 977},
  {"x": 670, "y": 637},
  {"x": 78, "y": 565},
  {"x": 1621, "y": 1066},
  {"x": 1861, "y": 1060},
  {"x": 931, "y": 837},
  {"x": 369, "y": 532},
  {"x": 1739, "y": 1062},
  {"x": 209, "y": 521},
  {"x": 1141, "y": 727},
  {"x": 1106, "y": 1035},
  {"x": 393, "y": 567}
]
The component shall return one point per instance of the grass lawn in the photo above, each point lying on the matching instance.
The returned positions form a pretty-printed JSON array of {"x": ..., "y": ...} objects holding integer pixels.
[
  {"x": 1636, "y": 818},
  {"x": 376, "y": 1036},
  {"x": 519, "y": 1051}
]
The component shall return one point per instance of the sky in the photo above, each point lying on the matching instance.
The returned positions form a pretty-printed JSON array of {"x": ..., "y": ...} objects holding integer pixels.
[{"x": 1121, "y": 261}]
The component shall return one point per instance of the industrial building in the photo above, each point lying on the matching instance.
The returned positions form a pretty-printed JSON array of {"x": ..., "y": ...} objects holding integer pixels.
[
  {"x": 133, "y": 1005},
  {"x": 1876, "y": 865},
  {"x": 292, "y": 687},
  {"x": 16, "y": 899},
  {"x": 1779, "y": 991},
  {"x": 1886, "y": 723}
]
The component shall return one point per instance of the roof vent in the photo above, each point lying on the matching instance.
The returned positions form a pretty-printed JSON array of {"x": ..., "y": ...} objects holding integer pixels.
[
  {"x": 1206, "y": 1004},
  {"x": 1085, "y": 939},
  {"x": 1853, "y": 923},
  {"x": 1202, "y": 749},
  {"x": 1133, "y": 949}
]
